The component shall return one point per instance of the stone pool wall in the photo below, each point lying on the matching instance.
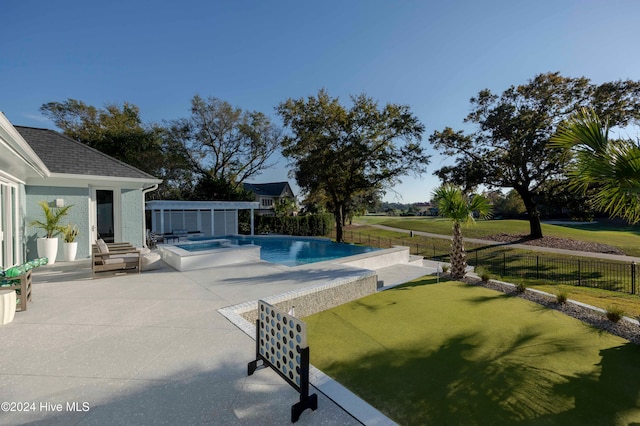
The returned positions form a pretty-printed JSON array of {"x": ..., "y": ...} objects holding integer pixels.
[{"x": 319, "y": 298}]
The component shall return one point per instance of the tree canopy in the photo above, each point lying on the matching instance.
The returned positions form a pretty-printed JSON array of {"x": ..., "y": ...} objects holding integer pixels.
[
  {"x": 339, "y": 153},
  {"x": 224, "y": 143},
  {"x": 203, "y": 157},
  {"x": 510, "y": 148},
  {"x": 116, "y": 130}
]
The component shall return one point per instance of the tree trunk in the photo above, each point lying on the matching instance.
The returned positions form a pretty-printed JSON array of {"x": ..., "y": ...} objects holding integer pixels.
[
  {"x": 338, "y": 214},
  {"x": 535, "y": 229},
  {"x": 458, "y": 256}
]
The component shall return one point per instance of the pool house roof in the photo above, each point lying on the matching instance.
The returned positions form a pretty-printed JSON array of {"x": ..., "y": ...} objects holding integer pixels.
[{"x": 201, "y": 205}]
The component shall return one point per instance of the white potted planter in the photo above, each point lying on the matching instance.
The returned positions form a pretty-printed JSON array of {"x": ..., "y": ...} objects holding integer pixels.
[
  {"x": 70, "y": 250},
  {"x": 49, "y": 249},
  {"x": 70, "y": 246},
  {"x": 48, "y": 246}
]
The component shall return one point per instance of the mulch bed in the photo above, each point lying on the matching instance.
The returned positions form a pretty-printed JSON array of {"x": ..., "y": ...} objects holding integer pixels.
[
  {"x": 554, "y": 242},
  {"x": 622, "y": 328}
]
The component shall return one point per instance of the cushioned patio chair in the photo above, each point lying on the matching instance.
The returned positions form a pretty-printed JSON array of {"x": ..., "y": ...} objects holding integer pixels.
[
  {"x": 114, "y": 257},
  {"x": 22, "y": 286}
]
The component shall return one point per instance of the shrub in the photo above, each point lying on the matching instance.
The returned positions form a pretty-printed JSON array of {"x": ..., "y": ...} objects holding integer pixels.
[
  {"x": 561, "y": 297},
  {"x": 307, "y": 225},
  {"x": 614, "y": 313},
  {"x": 521, "y": 287},
  {"x": 483, "y": 274},
  {"x": 445, "y": 269}
]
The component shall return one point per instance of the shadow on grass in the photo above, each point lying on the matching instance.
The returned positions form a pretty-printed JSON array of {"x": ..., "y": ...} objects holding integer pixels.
[
  {"x": 460, "y": 384},
  {"x": 372, "y": 307},
  {"x": 608, "y": 397},
  {"x": 420, "y": 282}
]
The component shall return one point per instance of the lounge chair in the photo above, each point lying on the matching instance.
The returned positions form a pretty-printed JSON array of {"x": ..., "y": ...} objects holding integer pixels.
[
  {"x": 114, "y": 257},
  {"x": 153, "y": 239}
]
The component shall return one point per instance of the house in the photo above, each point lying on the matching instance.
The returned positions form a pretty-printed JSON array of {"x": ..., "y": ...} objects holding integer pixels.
[
  {"x": 43, "y": 165},
  {"x": 426, "y": 209},
  {"x": 270, "y": 194}
]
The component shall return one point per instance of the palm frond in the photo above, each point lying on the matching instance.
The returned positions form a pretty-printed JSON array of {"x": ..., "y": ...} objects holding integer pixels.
[{"x": 614, "y": 165}]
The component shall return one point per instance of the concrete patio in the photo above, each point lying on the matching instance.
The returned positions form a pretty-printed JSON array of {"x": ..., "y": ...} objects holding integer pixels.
[{"x": 152, "y": 348}]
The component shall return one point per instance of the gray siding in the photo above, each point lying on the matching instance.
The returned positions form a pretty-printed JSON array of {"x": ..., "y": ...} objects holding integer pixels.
[
  {"x": 78, "y": 215},
  {"x": 132, "y": 214}
]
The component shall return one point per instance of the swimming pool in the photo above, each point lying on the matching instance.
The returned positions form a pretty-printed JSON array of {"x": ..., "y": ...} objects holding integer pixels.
[{"x": 284, "y": 250}]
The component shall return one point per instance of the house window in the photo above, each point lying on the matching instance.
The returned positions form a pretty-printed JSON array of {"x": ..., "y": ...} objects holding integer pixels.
[{"x": 267, "y": 202}]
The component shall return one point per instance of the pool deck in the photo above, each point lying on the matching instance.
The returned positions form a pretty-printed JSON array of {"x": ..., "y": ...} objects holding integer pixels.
[{"x": 152, "y": 348}]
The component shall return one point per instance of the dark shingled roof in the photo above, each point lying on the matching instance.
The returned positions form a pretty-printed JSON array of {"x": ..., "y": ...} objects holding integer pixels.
[
  {"x": 61, "y": 154},
  {"x": 269, "y": 189}
]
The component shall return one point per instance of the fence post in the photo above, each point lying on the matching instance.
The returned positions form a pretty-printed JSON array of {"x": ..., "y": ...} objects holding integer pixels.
[
  {"x": 579, "y": 278},
  {"x": 504, "y": 264},
  {"x": 633, "y": 277}
]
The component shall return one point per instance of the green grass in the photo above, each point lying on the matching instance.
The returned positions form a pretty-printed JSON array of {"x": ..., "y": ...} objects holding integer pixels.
[
  {"x": 626, "y": 238},
  {"x": 449, "y": 353},
  {"x": 491, "y": 258}
]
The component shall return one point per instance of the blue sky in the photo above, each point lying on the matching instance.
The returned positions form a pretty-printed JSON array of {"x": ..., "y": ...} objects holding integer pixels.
[{"x": 431, "y": 55}]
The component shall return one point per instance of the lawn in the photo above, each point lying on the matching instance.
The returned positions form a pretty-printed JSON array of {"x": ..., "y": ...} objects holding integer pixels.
[
  {"x": 491, "y": 258},
  {"x": 625, "y": 238},
  {"x": 450, "y": 353}
]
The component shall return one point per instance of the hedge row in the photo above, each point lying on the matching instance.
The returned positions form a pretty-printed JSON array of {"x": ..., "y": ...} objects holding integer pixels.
[{"x": 307, "y": 225}]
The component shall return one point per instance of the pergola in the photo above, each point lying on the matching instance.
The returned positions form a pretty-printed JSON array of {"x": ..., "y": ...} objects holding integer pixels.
[{"x": 209, "y": 218}]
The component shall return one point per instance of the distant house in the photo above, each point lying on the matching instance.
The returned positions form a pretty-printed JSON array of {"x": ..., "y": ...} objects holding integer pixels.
[
  {"x": 422, "y": 208},
  {"x": 43, "y": 165},
  {"x": 270, "y": 194}
]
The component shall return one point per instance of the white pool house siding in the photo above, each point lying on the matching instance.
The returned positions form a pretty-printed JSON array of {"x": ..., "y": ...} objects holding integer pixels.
[{"x": 210, "y": 218}]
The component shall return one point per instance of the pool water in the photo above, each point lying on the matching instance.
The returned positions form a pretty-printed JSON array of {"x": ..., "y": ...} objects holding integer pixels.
[{"x": 288, "y": 251}]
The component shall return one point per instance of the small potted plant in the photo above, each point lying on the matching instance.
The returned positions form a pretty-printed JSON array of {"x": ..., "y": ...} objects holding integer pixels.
[
  {"x": 70, "y": 246},
  {"x": 48, "y": 245}
]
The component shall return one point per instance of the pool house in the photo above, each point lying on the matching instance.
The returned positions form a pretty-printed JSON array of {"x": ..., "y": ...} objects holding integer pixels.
[{"x": 204, "y": 218}]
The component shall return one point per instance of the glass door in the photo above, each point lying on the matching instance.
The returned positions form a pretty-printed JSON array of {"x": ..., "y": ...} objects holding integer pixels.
[
  {"x": 9, "y": 248},
  {"x": 105, "y": 219},
  {"x": 105, "y": 222}
]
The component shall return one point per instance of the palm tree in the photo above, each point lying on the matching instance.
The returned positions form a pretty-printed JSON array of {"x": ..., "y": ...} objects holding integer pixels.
[
  {"x": 611, "y": 166},
  {"x": 455, "y": 205},
  {"x": 53, "y": 216}
]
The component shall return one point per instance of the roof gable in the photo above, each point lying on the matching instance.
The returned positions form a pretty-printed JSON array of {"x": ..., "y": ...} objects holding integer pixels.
[
  {"x": 274, "y": 189},
  {"x": 63, "y": 155}
]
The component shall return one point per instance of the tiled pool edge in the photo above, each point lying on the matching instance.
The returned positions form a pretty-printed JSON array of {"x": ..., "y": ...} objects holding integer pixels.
[
  {"x": 354, "y": 405},
  {"x": 183, "y": 260}
]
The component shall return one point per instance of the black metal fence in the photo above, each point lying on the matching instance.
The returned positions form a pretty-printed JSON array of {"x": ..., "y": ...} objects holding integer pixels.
[{"x": 613, "y": 276}]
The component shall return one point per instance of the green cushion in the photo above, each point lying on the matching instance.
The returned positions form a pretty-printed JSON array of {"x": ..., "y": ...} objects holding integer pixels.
[{"x": 15, "y": 271}]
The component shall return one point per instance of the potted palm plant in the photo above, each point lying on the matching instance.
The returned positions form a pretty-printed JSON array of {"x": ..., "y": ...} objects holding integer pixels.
[
  {"x": 70, "y": 246},
  {"x": 48, "y": 245}
]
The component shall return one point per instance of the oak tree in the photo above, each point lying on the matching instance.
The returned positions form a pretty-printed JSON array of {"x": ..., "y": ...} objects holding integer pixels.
[
  {"x": 224, "y": 144},
  {"x": 339, "y": 153},
  {"x": 510, "y": 146}
]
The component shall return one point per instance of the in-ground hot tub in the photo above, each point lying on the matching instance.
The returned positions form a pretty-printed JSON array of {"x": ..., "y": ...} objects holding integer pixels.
[{"x": 218, "y": 252}]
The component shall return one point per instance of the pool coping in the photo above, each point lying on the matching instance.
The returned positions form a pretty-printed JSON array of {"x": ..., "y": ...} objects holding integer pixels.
[{"x": 183, "y": 260}]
